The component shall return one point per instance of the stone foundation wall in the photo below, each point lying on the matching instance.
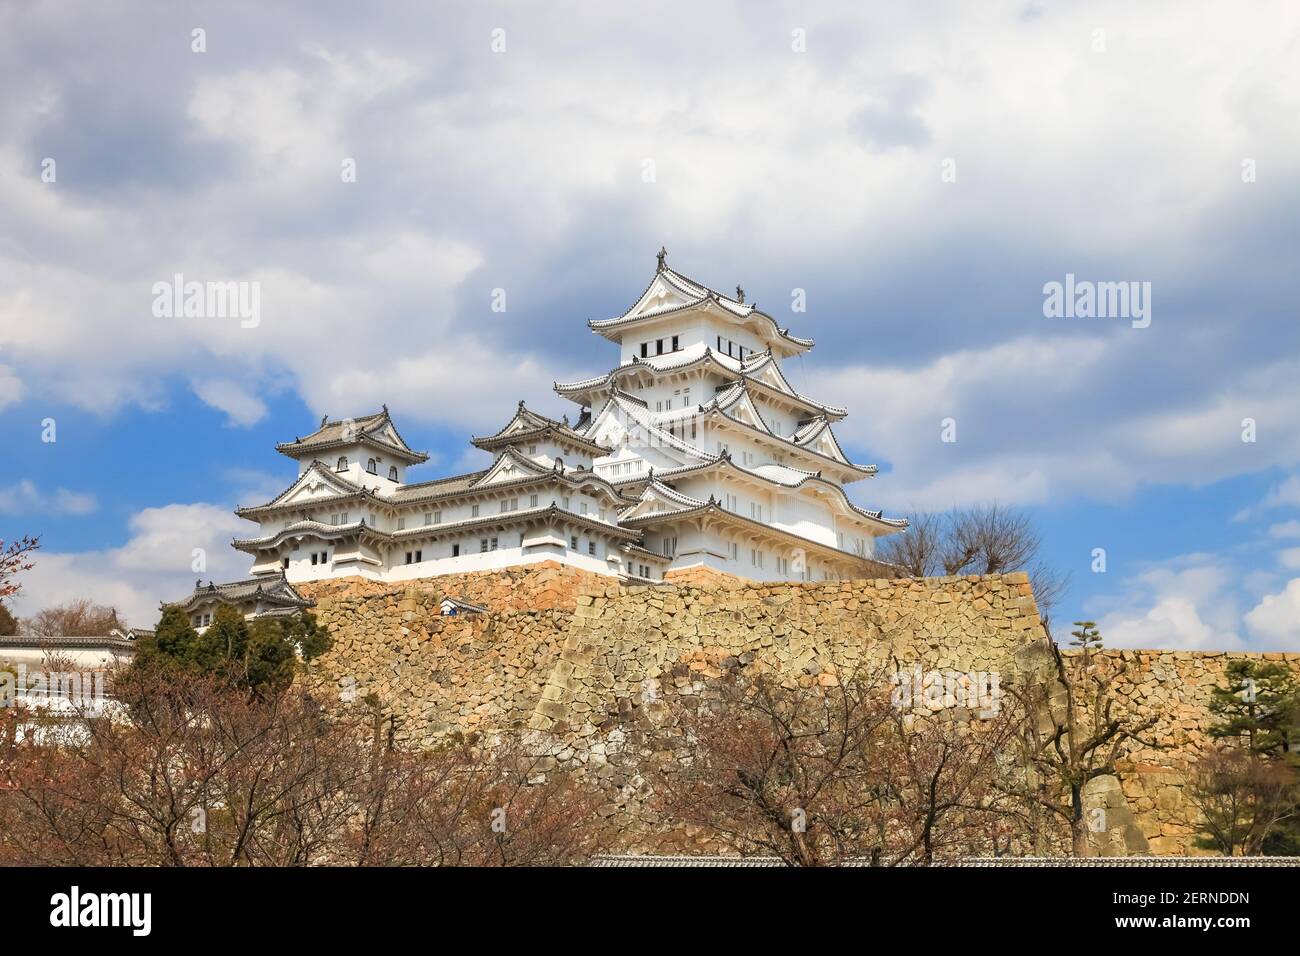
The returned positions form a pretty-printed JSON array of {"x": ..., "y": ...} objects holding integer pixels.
[{"x": 576, "y": 657}]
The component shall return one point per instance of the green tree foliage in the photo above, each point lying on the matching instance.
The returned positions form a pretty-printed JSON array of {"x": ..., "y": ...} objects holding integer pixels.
[
  {"x": 1248, "y": 792},
  {"x": 261, "y": 657},
  {"x": 1258, "y": 706},
  {"x": 8, "y": 623}
]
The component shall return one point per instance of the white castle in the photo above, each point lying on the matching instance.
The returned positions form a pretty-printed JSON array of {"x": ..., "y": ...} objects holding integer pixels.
[{"x": 695, "y": 451}]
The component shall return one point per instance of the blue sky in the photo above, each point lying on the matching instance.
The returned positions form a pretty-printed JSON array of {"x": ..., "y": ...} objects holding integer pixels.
[{"x": 779, "y": 146}]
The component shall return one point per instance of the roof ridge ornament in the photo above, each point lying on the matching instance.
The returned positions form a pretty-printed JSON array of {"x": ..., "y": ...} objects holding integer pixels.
[
  {"x": 324, "y": 420},
  {"x": 662, "y": 256},
  {"x": 740, "y": 295}
]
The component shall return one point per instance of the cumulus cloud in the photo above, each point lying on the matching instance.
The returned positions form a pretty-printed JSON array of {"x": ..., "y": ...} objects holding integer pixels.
[
  {"x": 26, "y": 498},
  {"x": 242, "y": 407},
  {"x": 11, "y": 386},
  {"x": 1275, "y": 620},
  {"x": 1188, "y": 603},
  {"x": 169, "y": 548}
]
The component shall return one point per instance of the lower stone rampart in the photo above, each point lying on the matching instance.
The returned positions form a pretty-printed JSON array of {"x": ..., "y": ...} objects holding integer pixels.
[{"x": 576, "y": 658}]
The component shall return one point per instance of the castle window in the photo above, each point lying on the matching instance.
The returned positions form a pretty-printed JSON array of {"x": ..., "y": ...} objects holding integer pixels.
[
  {"x": 455, "y": 551},
  {"x": 735, "y": 551},
  {"x": 372, "y": 467},
  {"x": 401, "y": 524},
  {"x": 532, "y": 501},
  {"x": 659, "y": 347},
  {"x": 392, "y": 472},
  {"x": 670, "y": 547},
  {"x": 473, "y": 511},
  {"x": 645, "y": 349},
  {"x": 676, "y": 347},
  {"x": 573, "y": 542},
  {"x": 342, "y": 464},
  {"x": 591, "y": 548},
  {"x": 284, "y": 563},
  {"x": 482, "y": 545}
]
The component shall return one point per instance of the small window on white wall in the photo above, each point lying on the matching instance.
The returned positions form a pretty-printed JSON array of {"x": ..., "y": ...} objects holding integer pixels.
[
  {"x": 372, "y": 467},
  {"x": 392, "y": 473},
  {"x": 342, "y": 464}
]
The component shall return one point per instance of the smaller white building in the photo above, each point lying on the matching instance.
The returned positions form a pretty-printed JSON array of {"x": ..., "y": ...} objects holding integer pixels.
[{"x": 257, "y": 597}]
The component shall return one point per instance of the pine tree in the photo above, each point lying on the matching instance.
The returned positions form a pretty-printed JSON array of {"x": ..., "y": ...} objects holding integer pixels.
[{"x": 1257, "y": 707}]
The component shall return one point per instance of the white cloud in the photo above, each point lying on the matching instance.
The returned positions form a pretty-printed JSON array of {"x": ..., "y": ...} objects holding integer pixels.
[
  {"x": 242, "y": 407},
  {"x": 1289, "y": 558},
  {"x": 1285, "y": 529},
  {"x": 1275, "y": 620},
  {"x": 157, "y": 563},
  {"x": 26, "y": 498},
  {"x": 1284, "y": 494},
  {"x": 1187, "y": 603},
  {"x": 11, "y": 386}
]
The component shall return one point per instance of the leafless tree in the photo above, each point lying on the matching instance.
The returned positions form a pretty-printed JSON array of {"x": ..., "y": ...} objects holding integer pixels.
[
  {"x": 80, "y": 617},
  {"x": 984, "y": 539},
  {"x": 200, "y": 775},
  {"x": 1242, "y": 796},
  {"x": 1075, "y": 731},
  {"x": 828, "y": 775}
]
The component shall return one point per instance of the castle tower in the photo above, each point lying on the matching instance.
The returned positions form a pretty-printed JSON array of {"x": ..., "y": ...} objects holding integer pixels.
[{"x": 732, "y": 467}]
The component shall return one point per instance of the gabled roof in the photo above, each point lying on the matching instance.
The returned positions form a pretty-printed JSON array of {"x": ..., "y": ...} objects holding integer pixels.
[
  {"x": 736, "y": 403},
  {"x": 508, "y": 462},
  {"x": 317, "y": 471},
  {"x": 641, "y": 417},
  {"x": 782, "y": 475},
  {"x": 527, "y": 425},
  {"x": 377, "y": 431},
  {"x": 650, "y": 517},
  {"x": 656, "y": 495},
  {"x": 757, "y": 369},
  {"x": 818, "y": 431},
  {"x": 864, "y": 471},
  {"x": 274, "y": 591},
  {"x": 671, "y": 292}
]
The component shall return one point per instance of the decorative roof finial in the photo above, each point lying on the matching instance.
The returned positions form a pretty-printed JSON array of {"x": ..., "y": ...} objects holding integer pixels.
[
  {"x": 386, "y": 407},
  {"x": 323, "y": 420},
  {"x": 661, "y": 256},
  {"x": 740, "y": 295}
]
